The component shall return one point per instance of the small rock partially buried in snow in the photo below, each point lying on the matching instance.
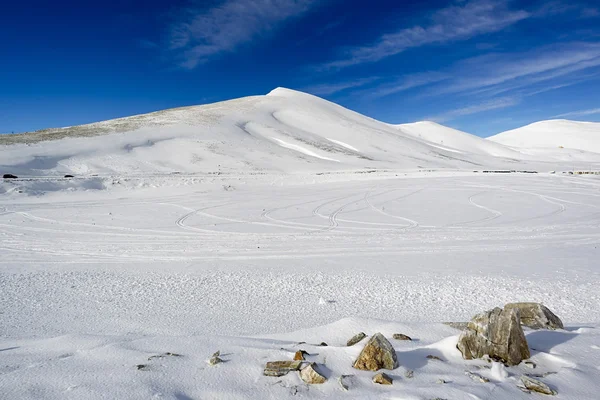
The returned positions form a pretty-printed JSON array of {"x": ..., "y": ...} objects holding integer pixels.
[
  {"x": 310, "y": 375},
  {"x": 382, "y": 379},
  {"x": 476, "y": 377},
  {"x": 299, "y": 355},
  {"x": 536, "y": 386},
  {"x": 401, "y": 336},
  {"x": 281, "y": 368},
  {"x": 377, "y": 354},
  {"x": 536, "y": 316},
  {"x": 356, "y": 338},
  {"x": 345, "y": 381}
]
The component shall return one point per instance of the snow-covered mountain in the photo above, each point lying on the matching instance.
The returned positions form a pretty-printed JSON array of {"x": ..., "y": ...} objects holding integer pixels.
[
  {"x": 554, "y": 134},
  {"x": 283, "y": 131}
]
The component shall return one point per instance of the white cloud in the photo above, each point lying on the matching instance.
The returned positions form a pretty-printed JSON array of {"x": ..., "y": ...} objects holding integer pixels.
[
  {"x": 405, "y": 83},
  {"x": 501, "y": 102},
  {"x": 331, "y": 88},
  {"x": 457, "y": 22},
  {"x": 494, "y": 74},
  {"x": 202, "y": 34},
  {"x": 580, "y": 113}
]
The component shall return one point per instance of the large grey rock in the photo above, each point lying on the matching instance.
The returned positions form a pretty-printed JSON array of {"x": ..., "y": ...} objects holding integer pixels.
[
  {"x": 536, "y": 316},
  {"x": 377, "y": 354},
  {"x": 496, "y": 333}
]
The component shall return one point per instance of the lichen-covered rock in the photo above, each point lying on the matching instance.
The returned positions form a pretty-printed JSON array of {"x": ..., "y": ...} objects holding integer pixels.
[
  {"x": 310, "y": 375},
  {"x": 280, "y": 368},
  {"x": 498, "y": 334},
  {"x": 382, "y": 379},
  {"x": 536, "y": 386},
  {"x": 356, "y": 338},
  {"x": 377, "y": 354},
  {"x": 536, "y": 316},
  {"x": 401, "y": 336}
]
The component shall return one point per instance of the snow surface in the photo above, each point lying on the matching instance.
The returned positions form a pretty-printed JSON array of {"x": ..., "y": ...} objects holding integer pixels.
[
  {"x": 553, "y": 134},
  {"x": 199, "y": 231}
]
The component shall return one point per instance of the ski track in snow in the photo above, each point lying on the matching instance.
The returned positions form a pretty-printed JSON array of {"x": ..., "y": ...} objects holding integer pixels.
[{"x": 113, "y": 277}]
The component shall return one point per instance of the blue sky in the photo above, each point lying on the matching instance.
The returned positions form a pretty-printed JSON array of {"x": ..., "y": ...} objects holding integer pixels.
[{"x": 482, "y": 66}]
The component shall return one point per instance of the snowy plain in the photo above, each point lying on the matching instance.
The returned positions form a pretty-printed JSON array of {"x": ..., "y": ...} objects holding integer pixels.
[{"x": 250, "y": 226}]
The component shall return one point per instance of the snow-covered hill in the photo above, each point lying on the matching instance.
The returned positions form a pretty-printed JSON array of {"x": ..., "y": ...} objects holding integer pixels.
[
  {"x": 284, "y": 131},
  {"x": 553, "y": 134},
  {"x": 454, "y": 140}
]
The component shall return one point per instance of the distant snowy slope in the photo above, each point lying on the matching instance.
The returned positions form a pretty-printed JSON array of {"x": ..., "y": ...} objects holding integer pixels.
[
  {"x": 453, "y": 139},
  {"x": 553, "y": 134},
  {"x": 284, "y": 131}
]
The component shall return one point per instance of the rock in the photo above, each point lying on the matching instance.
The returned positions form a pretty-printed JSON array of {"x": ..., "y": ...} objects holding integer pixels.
[
  {"x": 432, "y": 357},
  {"x": 9, "y": 176},
  {"x": 356, "y": 338},
  {"x": 310, "y": 375},
  {"x": 530, "y": 364},
  {"x": 377, "y": 354},
  {"x": 322, "y": 344},
  {"x": 536, "y": 386},
  {"x": 476, "y": 377},
  {"x": 345, "y": 381},
  {"x": 401, "y": 336},
  {"x": 281, "y": 368},
  {"x": 497, "y": 333},
  {"x": 441, "y": 381},
  {"x": 164, "y": 355},
  {"x": 409, "y": 373},
  {"x": 69, "y": 176},
  {"x": 214, "y": 360},
  {"x": 382, "y": 379},
  {"x": 142, "y": 367},
  {"x": 299, "y": 355},
  {"x": 536, "y": 316}
]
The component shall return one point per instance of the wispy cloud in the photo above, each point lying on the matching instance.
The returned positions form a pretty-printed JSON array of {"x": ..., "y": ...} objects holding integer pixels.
[
  {"x": 331, "y": 88},
  {"x": 405, "y": 83},
  {"x": 494, "y": 74},
  {"x": 494, "y": 104},
  {"x": 457, "y": 22},
  {"x": 580, "y": 113},
  {"x": 200, "y": 34}
]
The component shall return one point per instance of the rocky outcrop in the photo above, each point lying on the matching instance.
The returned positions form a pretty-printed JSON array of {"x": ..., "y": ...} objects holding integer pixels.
[
  {"x": 536, "y": 316},
  {"x": 356, "y": 338},
  {"x": 382, "y": 379},
  {"x": 310, "y": 375},
  {"x": 496, "y": 333},
  {"x": 377, "y": 354}
]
